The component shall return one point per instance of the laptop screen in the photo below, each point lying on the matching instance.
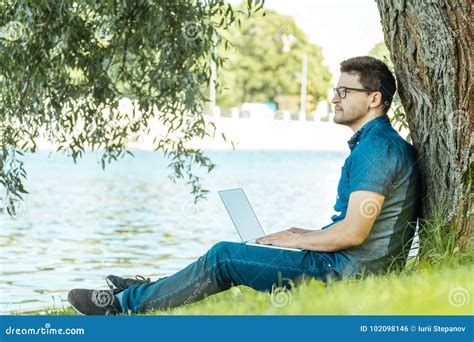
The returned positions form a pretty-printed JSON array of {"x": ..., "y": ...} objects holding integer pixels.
[{"x": 241, "y": 214}]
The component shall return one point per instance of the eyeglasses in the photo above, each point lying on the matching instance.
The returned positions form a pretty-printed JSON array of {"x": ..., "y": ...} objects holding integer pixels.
[{"x": 342, "y": 91}]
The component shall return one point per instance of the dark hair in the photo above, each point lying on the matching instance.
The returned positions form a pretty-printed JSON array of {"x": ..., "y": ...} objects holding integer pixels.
[{"x": 373, "y": 74}]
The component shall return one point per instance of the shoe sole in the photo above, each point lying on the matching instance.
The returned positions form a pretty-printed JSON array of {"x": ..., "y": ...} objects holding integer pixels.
[{"x": 80, "y": 313}]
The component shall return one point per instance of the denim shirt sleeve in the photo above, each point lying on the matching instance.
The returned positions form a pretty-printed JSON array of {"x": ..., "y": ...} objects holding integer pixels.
[{"x": 373, "y": 167}]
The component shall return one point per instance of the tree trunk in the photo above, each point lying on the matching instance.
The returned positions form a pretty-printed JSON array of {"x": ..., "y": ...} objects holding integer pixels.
[{"x": 429, "y": 43}]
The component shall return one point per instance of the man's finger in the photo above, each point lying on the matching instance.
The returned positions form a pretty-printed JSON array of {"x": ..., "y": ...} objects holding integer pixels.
[
  {"x": 264, "y": 238},
  {"x": 264, "y": 241}
]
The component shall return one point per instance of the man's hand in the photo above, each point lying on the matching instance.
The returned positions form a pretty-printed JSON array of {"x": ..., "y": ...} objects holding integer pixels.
[
  {"x": 298, "y": 230},
  {"x": 283, "y": 239}
]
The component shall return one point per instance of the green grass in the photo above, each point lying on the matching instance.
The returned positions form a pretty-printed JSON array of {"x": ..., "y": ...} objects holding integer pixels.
[
  {"x": 424, "y": 293},
  {"x": 431, "y": 291}
]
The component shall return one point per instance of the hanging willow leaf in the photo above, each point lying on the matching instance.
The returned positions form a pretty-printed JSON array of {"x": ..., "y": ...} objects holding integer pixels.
[{"x": 65, "y": 67}]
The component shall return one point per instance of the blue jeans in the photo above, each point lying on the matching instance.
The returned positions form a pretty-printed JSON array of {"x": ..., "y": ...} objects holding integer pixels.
[{"x": 229, "y": 264}]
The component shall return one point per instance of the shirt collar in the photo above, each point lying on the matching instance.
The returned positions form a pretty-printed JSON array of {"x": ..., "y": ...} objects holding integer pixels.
[{"x": 379, "y": 120}]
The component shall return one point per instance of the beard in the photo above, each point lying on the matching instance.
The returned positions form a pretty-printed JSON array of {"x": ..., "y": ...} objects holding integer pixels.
[{"x": 347, "y": 118}]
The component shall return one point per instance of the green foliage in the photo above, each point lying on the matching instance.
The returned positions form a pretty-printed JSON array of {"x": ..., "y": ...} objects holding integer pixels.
[
  {"x": 265, "y": 61},
  {"x": 65, "y": 65},
  {"x": 381, "y": 52},
  {"x": 439, "y": 245}
]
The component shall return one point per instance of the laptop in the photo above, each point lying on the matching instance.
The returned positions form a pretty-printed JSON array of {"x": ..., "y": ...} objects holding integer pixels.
[{"x": 244, "y": 219}]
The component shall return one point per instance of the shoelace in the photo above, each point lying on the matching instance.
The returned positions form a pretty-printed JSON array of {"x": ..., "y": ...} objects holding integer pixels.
[
  {"x": 110, "y": 285},
  {"x": 137, "y": 277}
]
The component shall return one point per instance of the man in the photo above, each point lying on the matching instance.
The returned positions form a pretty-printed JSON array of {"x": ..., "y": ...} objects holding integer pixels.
[{"x": 378, "y": 197}]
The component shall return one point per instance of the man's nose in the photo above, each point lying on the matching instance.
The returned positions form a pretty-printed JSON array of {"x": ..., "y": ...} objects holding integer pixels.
[{"x": 335, "y": 99}]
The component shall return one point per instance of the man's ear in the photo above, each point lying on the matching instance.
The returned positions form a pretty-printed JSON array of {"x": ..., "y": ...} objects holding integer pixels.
[{"x": 376, "y": 99}]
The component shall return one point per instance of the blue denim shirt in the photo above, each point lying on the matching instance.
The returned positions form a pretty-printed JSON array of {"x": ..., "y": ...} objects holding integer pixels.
[{"x": 380, "y": 161}]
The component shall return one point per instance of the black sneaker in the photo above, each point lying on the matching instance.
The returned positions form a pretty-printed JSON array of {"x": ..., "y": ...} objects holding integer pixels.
[
  {"x": 94, "y": 302},
  {"x": 120, "y": 284}
]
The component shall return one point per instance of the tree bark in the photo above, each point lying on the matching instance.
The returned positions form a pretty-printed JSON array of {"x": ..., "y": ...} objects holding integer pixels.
[{"x": 429, "y": 43}]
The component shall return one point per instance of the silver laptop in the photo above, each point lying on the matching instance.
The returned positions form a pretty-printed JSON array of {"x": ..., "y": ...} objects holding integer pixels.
[{"x": 244, "y": 218}]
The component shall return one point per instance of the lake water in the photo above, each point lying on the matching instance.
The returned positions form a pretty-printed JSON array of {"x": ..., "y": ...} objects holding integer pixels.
[{"x": 81, "y": 223}]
